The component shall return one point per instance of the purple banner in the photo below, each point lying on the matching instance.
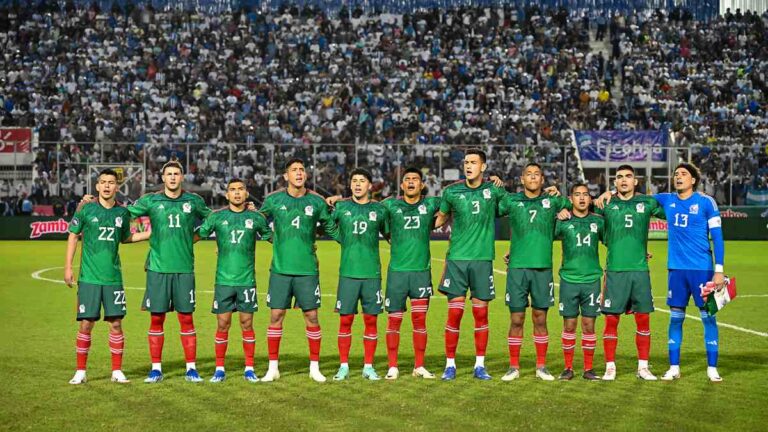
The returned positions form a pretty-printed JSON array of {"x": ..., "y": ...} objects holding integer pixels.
[{"x": 624, "y": 146}]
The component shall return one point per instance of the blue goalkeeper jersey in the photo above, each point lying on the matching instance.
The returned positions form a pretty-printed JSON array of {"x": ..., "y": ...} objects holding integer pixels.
[{"x": 690, "y": 222}]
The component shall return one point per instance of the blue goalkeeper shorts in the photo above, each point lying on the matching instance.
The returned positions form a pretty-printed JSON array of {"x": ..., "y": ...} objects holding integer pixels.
[{"x": 686, "y": 283}]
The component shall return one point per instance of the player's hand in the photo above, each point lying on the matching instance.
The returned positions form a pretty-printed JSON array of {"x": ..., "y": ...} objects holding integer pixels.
[
  {"x": 496, "y": 181},
  {"x": 564, "y": 215},
  {"x": 506, "y": 258},
  {"x": 331, "y": 200},
  {"x": 250, "y": 206},
  {"x": 719, "y": 281},
  {"x": 552, "y": 191},
  {"x": 87, "y": 198},
  {"x": 648, "y": 255},
  {"x": 603, "y": 200},
  {"x": 69, "y": 277}
]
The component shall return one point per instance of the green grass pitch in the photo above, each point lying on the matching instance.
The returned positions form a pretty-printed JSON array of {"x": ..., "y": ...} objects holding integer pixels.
[{"x": 37, "y": 359}]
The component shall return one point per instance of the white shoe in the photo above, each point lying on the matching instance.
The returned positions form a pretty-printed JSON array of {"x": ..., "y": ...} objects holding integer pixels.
[
  {"x": 511, "y": 375},
  {"x": 315, "y": 375},
  {"x": 422, "y": 372},
  {"x": 119, "y": 377},
  {"x": 610, "y": 374},
  {"x": 672, "y": 374},
  {"x": 713, "y": 375},
  {"x": 79, "y": 378},
  {"x": 271, "y": 375},
  {"x": 393, "y": 373},
  {"x": 544, "y": 375},
  {"x": 646, "y": 375}
]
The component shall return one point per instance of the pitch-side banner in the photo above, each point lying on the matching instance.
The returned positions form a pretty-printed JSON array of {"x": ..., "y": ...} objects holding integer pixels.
[{"x": 594, "y": 146}]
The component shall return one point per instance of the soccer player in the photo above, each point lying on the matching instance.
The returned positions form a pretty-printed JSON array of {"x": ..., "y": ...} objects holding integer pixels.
[
  {"x": 236, "y": 229},
  {"x": 103, "y": 225},
  {"x": 532, "y": 218},
  {"x": 359, "y": 221},
  {"x": 627, "y": 282},
  {"x": 469, "y": 264},
  {"x": 294, "y": 279},
  {"x": 693, "y": 218},
  {"x": 580, "y": 279}
]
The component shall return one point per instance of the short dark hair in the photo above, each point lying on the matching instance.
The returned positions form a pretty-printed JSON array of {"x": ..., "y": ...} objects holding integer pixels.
[
  {"x": 108, "y": 171},
  {"x": 414, "y": 170},
  {"x": 234, "y": 180},
  {"x": 291, "y": 162},
  {"x": 625, "y": 167},
  {"x": 533, "y": 164},
  {"x": 476, "y": 151},
  {"x": 693, "y": 169},
  {"x": 576, "y": 185},
  {"x": 363, "y": 172},
  {"x": 173, "y": 163}
]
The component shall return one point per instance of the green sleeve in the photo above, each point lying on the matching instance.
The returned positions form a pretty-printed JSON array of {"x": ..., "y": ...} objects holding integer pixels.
[
  {"x": 601, "y": 231},
  {"x": 385, "y": 217},
  {"x": 202, "y": 210},
  {"x": 76, "y": 224},
  {"x": 263, "y": 228},
  {"x": 657, "y": 209},
  {"x": 328, "y": 222},
  {"x": 445, "y": 205},
  {"x": 558, "y": 230},
  {"x": 504, "y": 205},
  {"x": 208, "y": 226},
  {"x": 564, "y": 203},
  {"x": 126, "y": 228},
  {"x": 266, "y": 207},
  {"x": 598, "y": 210},
  {"x": 140, "y": 207}
]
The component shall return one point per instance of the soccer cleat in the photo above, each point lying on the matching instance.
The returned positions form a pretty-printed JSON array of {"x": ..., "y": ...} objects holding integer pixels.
[
  {"x": 713, "y": 375},
  {"x": 543, "y": 374},
  {"x": 218, "y": 376},
  {"x": 590, "y": 375},
  {"x": 392, "y": 373},
  {"x": 610, "y": 374},
  {"x": 79, "y": 378},
  {"x": 423, "y": 373},
  {"x": 342, "y": 374},
  {"x": 671, "y": 375},
  {"x": 511, "y": 375},
  {"x": 250, "y": 376},
  {"x": 271, "y": 375},
  {"x": 155, "y": 376},
  {"x": 481, "y": 374},
  {"x": 370, "y": 374},
  {"x": 119, "y": 377},
  {"x": 192, "y": 376},
  {"x": 449, "y": 374},
  {"x": 645, "y": 375},
  {"x": 566, "y": 375},
  {"x": 316, "y": 375}
]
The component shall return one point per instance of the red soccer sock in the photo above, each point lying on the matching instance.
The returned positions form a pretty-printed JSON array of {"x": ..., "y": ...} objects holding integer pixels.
[
  {"x": 610, "y": 336},
  {"x": 116, "y": 345},
  {"x": 542, "y": 344},
  {"x": 156, "y": 337},
  {"x": 393, "y": 336},
  {"x": 345, "y": 337},
  {"x": 314, "y": 337},
  {"x": 419, "y": 309},
  {"x": 569, "y": 346},
  {"x": 222, "y": 340},
  {"x": 452, "y": 326},
  {"x": 370, "y": 338},
  {"x": 588, "y": 342},
  {"x": 515, "y": 343},
  {"x": 480, "y": 312},
  {"x": 188, "y": 336},
  {"x": 249, "y": 346},
  {"x": 643, "y": 335},
  {"x": 83, "y": 345},
  {"x": 274, "y": 334}
]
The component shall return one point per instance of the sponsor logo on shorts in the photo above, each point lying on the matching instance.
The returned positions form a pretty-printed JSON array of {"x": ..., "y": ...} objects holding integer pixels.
[
  {"x": 82, "y": 308},
  {"x": 338, "y": 304},
  {"x": 607, "y": 303},
  {"x": 562, "y": 307},
  {"x": 447, "y": 283},
  {"x": 215, "y": 304}
]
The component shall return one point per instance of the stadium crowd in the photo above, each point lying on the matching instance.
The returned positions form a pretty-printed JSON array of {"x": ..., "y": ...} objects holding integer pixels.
[{"x": 397, "y": 89}]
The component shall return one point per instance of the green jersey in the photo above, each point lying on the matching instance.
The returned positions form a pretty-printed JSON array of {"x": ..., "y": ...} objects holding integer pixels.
[
  {"x": 103, "y": 230},
  {"x": 410, "y": 228},
  {"x": 532, "y": 227},
  {"x": 359, "y": 228},
  {"x": 626, "y": 231},
  {"x": 295, "y": 222},
  {"x": 236, "y": 242},
  {"x": 173, "y": 222},
  {"x": 581, "y": 238},
  {"x": 473, "y": 231}
]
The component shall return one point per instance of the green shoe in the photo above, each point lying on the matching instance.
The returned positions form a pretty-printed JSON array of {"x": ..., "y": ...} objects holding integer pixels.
[
  {"x": 342, "y": 374},
  {"x": 370, "y": 374}
]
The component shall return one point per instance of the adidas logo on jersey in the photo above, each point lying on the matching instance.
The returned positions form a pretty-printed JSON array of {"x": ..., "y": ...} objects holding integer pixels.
[
  {"x": 347, "y": 213},
  {"x": 462, "y": 197},
  {"x": 95, "y": 219},
  {"x": 672, "y": 205},
  {"x": 571, "y": 227},
  {"x": 520, "y": 204},
  {"x": 161, "y": 207},
  {"x": 399, "y": 211},
  {"x": 283, "y": 208},
  {"x": 615, "y": 207},
  {"x": 225, "y": 223}
]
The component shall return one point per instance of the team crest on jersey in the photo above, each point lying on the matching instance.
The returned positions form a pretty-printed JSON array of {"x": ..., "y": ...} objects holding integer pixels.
[
  {"x": 249, "y": 223},
  {"x": 640, "y": 207},
  {"x": 186, "y": 208},
  {"x": 694, "y": 209},
  {"x": 593, "y": 227},
  {"x": 422, "y": 209},
  {"x": 545, "y": 203},
  {"x": 309, "y": 210},
  {"x": 372, "y": 216},
  {"x": 119, "y": 222},
  {"x": 487, "y": 194},
  {"x": 447, "y": 283}
]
